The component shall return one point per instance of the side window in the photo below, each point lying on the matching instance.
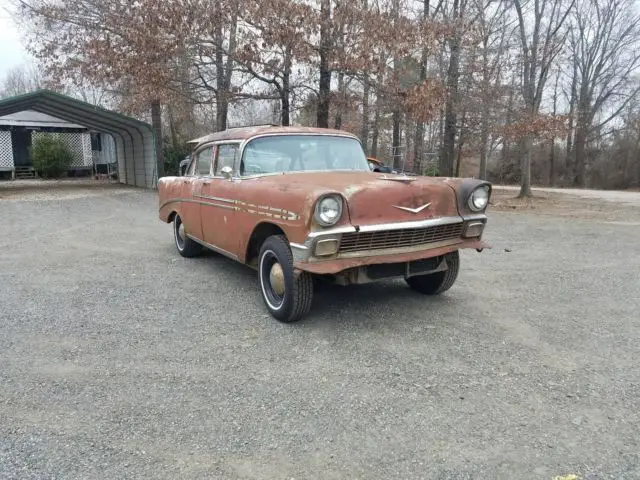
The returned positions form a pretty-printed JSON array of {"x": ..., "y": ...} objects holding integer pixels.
[
  {"x": 226, "y": 157},
  {"x": 203, "y": 162}
]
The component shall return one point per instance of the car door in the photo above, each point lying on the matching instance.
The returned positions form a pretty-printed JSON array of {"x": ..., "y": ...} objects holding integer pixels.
[
  {"x": 199, "y": 172},
  {"x": 218, "y": 208}
]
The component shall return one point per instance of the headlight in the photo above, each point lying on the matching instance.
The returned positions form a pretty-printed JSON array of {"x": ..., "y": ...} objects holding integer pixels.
[
  {"x": 479, "y": 198},
  {"x": 329, "y": 210}
]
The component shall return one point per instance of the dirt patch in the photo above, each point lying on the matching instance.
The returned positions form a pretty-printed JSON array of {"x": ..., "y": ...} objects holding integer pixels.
[{"x": 564, "y": 205}]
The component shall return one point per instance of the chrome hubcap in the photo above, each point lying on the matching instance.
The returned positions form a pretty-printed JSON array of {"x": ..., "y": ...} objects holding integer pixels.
[
  {"x": 276, "y": 279},
  {"x": 181, "y": 234}
]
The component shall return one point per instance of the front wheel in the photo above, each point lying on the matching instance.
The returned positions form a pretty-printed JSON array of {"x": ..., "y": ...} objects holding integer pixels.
[
  {"x": 287, "y": 294},
  {"x": 439, "y": 282}
]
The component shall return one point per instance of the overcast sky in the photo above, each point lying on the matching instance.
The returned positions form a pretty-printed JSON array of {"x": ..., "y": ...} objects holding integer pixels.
[{"x": 12, "y": 53}]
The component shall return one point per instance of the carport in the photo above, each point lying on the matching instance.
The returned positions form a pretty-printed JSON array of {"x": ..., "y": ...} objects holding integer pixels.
[{"x": 135, "y": 141}]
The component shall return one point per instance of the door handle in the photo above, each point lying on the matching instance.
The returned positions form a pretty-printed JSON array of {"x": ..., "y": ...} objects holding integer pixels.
[{"x": 206, "y": 183}]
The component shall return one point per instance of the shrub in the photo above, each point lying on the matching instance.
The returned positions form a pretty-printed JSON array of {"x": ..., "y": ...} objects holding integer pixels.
[
  {"x": 432, "y": 170},
  {"x": 173, "y": 155},
  {"x": 51, "y": 157}
]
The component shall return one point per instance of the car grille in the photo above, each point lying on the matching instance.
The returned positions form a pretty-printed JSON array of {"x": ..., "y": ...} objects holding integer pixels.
[{"x": 407, "y": 237}]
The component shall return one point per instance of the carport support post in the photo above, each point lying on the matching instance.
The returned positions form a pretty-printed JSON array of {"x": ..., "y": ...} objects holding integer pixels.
[{"x": 156, "y": 122}]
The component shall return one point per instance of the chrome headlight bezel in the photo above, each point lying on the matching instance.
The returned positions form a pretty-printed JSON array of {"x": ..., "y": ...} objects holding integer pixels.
[
  {"x": 486, "y": 193},
  {"x": 318, "y": 214}
]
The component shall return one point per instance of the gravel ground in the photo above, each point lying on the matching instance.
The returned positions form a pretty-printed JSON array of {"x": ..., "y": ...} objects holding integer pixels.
[
  {"x": 629, "y": 198},
  {"x": 120, "y": 359}
]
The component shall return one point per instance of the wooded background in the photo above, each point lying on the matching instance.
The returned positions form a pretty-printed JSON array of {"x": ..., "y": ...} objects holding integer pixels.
[{"x": 514, "y": 91}]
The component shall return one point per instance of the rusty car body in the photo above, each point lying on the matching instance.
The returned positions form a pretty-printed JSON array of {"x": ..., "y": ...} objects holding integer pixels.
[{"x": 295, "y": 203}]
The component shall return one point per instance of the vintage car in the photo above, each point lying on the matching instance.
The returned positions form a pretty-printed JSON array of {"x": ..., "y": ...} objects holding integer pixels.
[{"x": 299, "y": 203}]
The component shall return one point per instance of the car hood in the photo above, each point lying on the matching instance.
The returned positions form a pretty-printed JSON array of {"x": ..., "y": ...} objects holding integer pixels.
[{"x": 374, "y": 197}]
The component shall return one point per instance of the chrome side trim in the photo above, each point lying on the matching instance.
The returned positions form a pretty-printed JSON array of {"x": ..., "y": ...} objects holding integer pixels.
[
  {"x": 214, "y": 248},
  {"x": 216, "y": 199},
  {"x": 237, "y": 205},
  {"x": 190, "y": 200},
  {"x": 226, "y": 207}
]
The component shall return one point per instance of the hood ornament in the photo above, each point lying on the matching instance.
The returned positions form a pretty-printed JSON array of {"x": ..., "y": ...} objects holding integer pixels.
[{"x": 413, "y": 210}]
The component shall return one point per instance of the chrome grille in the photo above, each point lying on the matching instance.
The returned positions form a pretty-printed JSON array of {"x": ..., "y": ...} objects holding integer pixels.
[{"x": 407, "y": 237}]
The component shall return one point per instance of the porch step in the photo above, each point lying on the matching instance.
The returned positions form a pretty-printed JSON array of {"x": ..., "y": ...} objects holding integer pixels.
[{"x": 23, "y": 173}]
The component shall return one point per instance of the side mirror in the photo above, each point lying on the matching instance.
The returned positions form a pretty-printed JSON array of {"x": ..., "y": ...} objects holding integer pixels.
[{"x": 227, "y": 172}]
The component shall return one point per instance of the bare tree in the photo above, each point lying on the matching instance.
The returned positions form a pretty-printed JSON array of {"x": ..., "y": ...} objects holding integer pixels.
[
  {"x": 541, "y": 37},
  {"x": 605, "y": 47},
  {"x": 493, "y": 26},
  {"x": 21, "y": 80},
  {"x": 453, "y": 76}
]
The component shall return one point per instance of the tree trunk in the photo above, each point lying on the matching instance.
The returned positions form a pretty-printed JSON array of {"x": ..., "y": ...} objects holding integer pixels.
[
  {"x": 376, "y": 118},
  {"x": 484, "y": 141},
  {"x": 418, "y": 146},
  {"x": 172, "y": 126},
  {"x": 221, "y": 96},
  {"x": 525, "y": 167},
  {"x": 505, "y": 142},
  {"x": 340, "y": 106},
  {"x": 552, "y": 163},
  {"x": 397, "y": 133},
  {"x": 285, "y": 114},
  {"x": 396, "y": 147},
  {"x": 579, "y": 152},
  {"x": 569, "y": 164},
  {"x": 460, "y": 143},
  {"x": 552, "y": 154},
  {"x": 376, "y": 130},
  {"x": 418, "y": 141},
  {"x": 451, "y": 117},
  {"x": 409, "y": 133},
  {"x": 156, "y": 122},
  {"x": 364, "y": 132},
  {"x": 285, "y": 106},
  {"x": 637, "y": 154},
  {"x": 325, "y": 72}
]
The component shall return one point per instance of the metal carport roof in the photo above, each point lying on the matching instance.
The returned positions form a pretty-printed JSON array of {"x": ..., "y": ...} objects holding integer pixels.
[{"x": 135, "y": 142}]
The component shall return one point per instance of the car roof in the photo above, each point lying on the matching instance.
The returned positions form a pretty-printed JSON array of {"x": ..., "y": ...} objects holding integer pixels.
[{"x": 245, "y": 133}]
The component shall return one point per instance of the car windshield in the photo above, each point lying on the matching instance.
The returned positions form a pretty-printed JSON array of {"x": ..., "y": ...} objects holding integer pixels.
[{"x": 299, "y": 153}]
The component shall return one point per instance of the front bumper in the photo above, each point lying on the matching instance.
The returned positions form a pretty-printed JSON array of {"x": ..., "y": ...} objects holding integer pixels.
[{"x": 468, "y": 232}]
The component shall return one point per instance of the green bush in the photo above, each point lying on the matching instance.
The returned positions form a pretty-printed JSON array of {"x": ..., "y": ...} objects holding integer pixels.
[
  {"x": 432, "y": 171},
  {"x": 51, "y": 157},
  {"x": 173, "y": 155}
]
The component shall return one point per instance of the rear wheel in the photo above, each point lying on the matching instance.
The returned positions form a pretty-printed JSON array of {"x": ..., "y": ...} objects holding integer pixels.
[
  {"x": 287, "y": 294},
  {"x": 439, "y": 282},
  {"x": 186, "y": 247}
]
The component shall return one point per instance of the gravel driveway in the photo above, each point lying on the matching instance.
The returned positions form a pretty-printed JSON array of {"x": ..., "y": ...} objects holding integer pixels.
[{"x": 120, "y": 359}]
